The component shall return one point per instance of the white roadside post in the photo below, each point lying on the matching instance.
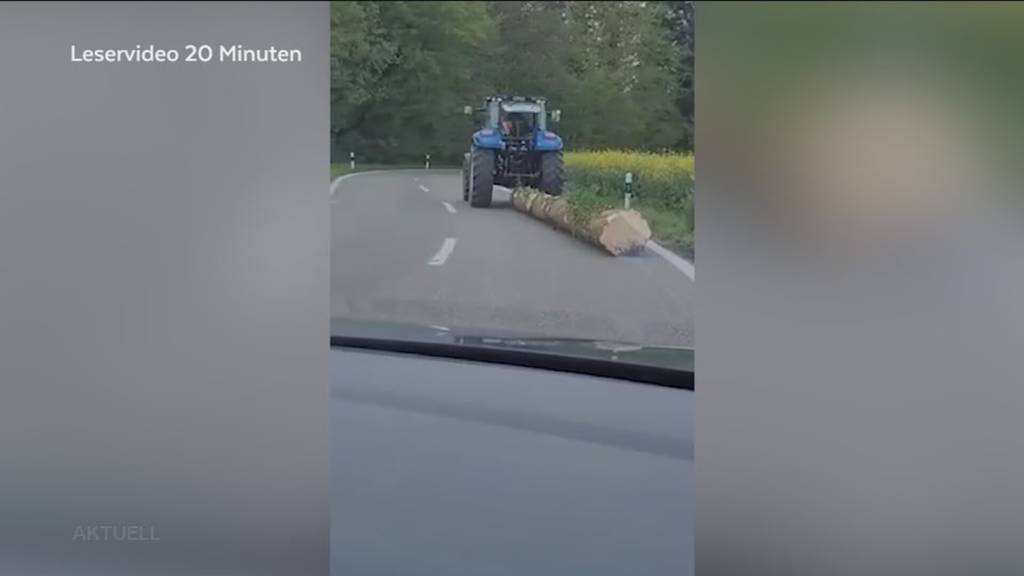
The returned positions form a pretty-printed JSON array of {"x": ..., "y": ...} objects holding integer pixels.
[
  {"x": 427, "y": 166},
  {"x": 629, "y": 188},
  {"x": 352, "y": 160}
]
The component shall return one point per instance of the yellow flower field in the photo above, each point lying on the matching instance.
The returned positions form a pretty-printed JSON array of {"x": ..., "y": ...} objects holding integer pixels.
[{"x": 658, "y": 165}]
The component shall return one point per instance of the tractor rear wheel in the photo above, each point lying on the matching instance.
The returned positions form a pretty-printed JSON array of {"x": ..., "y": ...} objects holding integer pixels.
[
  {"x": 552, "y": 173},
  {"x": 465, "y": 177},
  {"x": 482, "y": 185}
]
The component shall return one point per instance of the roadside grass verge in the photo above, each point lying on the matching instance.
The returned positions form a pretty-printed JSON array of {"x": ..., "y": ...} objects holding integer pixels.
[{"x": 662, "y": 190}]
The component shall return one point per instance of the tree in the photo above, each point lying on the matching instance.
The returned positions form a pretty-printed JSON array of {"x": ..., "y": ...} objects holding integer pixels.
[
  {"x": 611, "y": 66},
  {"x": 416, "y": 63},
  {"x": 680, "y": 19},
  {"x": 402, "y": 71},
  {"x": 361, "y": 57}
]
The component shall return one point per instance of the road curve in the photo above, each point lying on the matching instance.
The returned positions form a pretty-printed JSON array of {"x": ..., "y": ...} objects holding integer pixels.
[{"x": 405, "y": 247}]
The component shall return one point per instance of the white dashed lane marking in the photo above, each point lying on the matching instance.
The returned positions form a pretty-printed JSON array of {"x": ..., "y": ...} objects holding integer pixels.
[{"x": 443, "y": 253}]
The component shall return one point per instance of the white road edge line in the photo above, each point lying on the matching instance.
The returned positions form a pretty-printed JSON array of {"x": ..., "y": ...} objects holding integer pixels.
[
  {"x": 448, "y": 207},
  {"x": 424, "y": 188},
  {"x": 443, "y": 254},
  {"x": 672, "y": 258},
  {"x": 339, "y": 179}
]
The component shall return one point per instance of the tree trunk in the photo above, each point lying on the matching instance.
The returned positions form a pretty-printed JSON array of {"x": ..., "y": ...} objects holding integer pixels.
[{"x": 616, "y": 231}]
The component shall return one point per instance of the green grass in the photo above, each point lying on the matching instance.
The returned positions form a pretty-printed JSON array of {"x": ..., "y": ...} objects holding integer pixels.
[
  {"x": 669, "y": 227},
  {"x": 342, "y": 169},
  {"x": 671, "y": 223}
]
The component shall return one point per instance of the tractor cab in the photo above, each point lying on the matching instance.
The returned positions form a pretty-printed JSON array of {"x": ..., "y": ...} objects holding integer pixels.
[{"x": 520, "y": 119}]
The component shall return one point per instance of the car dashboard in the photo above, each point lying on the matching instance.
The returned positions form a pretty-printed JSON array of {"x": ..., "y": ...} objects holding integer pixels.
[{"x": 444, "y": 466}]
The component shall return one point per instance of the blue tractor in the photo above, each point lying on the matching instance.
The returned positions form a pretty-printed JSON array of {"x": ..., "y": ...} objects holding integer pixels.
[{"x": 513, "y": 148}]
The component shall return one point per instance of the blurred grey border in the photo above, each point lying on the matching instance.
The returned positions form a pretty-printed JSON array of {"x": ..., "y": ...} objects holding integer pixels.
[
  {"x": 163, "y": 293},
  {"x": 859, "y": 386}
]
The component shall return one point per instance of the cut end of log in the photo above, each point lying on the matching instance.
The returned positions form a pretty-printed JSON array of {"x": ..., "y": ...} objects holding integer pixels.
[
  {"x": 618, "y": 232},
  {"x": 623, "y": 232}
]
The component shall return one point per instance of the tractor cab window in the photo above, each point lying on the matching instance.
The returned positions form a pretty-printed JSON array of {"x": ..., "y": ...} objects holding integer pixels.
[{"x": 517, "y": 124}]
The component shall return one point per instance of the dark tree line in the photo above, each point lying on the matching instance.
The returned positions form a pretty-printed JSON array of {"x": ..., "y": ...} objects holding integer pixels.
[{"x": 401, "y": 72}]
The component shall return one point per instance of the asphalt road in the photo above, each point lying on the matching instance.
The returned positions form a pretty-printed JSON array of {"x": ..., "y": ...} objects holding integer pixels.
[{"x": 406, "y": 248}]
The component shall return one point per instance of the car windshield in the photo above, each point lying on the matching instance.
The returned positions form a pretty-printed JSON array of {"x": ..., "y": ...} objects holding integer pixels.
[{"x": 457, "y": 210}]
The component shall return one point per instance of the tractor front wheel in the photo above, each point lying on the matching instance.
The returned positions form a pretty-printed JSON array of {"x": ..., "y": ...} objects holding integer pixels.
[
  {"x": 552, "y": 173},
  {"x": 482, "y": 185}
]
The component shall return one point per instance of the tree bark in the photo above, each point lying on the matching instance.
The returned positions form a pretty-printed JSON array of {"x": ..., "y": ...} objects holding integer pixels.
[{"x": 617, "y": 231}]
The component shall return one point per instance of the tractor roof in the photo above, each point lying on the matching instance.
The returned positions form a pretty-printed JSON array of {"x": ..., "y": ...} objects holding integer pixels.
[
  {"x": 517, "y": 98},
  {"x": 533, "y": 107}
]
